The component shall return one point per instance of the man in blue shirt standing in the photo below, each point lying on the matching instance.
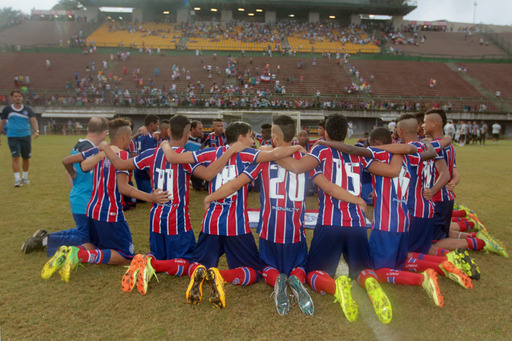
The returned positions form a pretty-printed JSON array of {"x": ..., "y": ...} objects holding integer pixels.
[{"x": 20, "y": 118}]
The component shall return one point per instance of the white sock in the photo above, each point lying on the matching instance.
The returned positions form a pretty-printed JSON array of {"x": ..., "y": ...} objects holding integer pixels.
[
  {"x": 25, "y": 175},
  {"x": 17, "y": 176},
  {"x": 45, "y": 241}
]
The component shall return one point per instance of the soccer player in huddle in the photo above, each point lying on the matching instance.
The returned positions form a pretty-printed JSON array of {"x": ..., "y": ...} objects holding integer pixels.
[
  {"x": 389, "y": 236},
  {"x": 145, "y": 141},
  {"x": 109, "y": 231},
  {"x": 81, "y": 189},
  {"x": 265, "y": 138},
  {"x": 217, "y": 138},
  {"x": 282, "y": 243},
  {"x": 171, "y": 238},
  {"x": 341, "y": 226},
  {"x": 435, "y": 119},
  {"x": 225, "y": 226}
]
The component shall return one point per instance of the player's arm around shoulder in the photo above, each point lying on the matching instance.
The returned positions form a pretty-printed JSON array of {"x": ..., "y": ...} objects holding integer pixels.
[
  {"x": 227, "y": 189},
  {"x": 278, "y": 153},
  {"x": 430, "y": 152},
  {"x": 117, "y": 162},
  {"x": 68, "y": 162},
  {"x": 345, "y": 148},
  {"x": 177, "y": 158},
  {"x": 388, "y": 170},
  {"x": 214, "y": 168},
  {"x": 338, "y": 192}
]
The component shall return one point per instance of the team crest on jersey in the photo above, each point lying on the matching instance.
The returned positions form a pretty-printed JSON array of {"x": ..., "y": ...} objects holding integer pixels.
[{"x": 107, "y": 163}]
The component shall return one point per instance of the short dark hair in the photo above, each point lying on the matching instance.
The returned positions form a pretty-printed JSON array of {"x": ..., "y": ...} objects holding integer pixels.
[
  {"x": 178, "y": 124},
  {"x": 150, "y": 119},
  {"x": 440, "y": 112},
  {"x": 380, "y": 134},
  {"x": 406, "y": 117},
  {"x": 287, "y": 125},
  {"x": 97, "y": 125},
  {"x": 321, "y": 123},
  {"x": 17, "y": 91},
  {"x": 336, "y": 127},
  {"x": 420, "y": 117},
  {"x": 235, "y": 129},
  {"x": 115, "y": 125},
  {"x": 217, "y": 120},
  {"x": 193, "y": 124},
  {"x": 267, "y": 126}
]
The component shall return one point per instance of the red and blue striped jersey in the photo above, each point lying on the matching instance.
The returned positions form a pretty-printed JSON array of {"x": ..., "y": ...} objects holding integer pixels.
[
  {"x": 307, "y": 147},
  {"x": 105, "y": 203},
  {"x": 228, "y": 216},
  {"x": 345, "y": 171},
  {"x": 172, "y": 217},
  {"x": 282, "y": 199},
  {"x": 422, "y": 176},
  {"x": 448, "y": 155},
  {"x": 390, "y": 211},
  {"x": 213, "y": 140},
  {"x": 264, "y": 142}
]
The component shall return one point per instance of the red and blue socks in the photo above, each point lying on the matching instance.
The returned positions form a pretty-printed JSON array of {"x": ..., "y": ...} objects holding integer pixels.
[
  {"x": 175, "y": 267},
  {"x": 321, "y": 282}
]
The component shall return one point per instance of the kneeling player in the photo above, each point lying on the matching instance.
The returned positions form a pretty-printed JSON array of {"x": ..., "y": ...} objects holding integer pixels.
[{"x": 109, "y": 232}]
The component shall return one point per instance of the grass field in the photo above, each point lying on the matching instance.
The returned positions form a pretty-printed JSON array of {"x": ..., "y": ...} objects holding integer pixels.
[{"x": 92, "y": 306}]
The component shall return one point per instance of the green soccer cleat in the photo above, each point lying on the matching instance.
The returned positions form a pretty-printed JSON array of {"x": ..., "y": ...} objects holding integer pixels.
[
  {"x": 492, "y": 244},
  {"x": 70, "y": 263},
  {"x": 145, "y": 274},
  {"x": 432, "y": 287},
  {"x": 280, "y": 295},
  {"x": 194, "y": 293},
  {"x": 379, "y": 300},
  {"x": 54, "y": 263},
  {"x": 456, "y": 275},
  {"x": 461, "y": 259},
  {"x": 343, "y": 296},
  {"x": 302, "y": 296},
  {"x": 131, "y": 275},
  {"x": 217, "y": 293}
]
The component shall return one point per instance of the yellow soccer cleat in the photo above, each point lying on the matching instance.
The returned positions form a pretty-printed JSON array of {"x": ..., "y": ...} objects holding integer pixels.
[
  {"x": 343, "y": 296},
  {"x": 379, "y": 300},
  {"x": 54, "y": 263},
  {"x": 217, "y": 295},
  {"x": 70, "y": 263},
  {"x": 194, "y": 293}
]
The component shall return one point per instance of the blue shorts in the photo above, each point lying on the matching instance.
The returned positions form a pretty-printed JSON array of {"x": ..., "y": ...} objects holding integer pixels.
[
  {"x": 72, "y": 237},
  {"x": 20, "y": 146},
  {"x": 241, "y": 251},
  {"x": 143, "y": 181},
  {"x": 164, "y": 247},
  {"x": 389, "y": 249},
  {"x": 329, "y": 242},
  {"x": 421, "y": 231},
  {"x": 442, "y": 219},
  {"x": 115, "y": 236},
  {"x": 283, "y": 257}
]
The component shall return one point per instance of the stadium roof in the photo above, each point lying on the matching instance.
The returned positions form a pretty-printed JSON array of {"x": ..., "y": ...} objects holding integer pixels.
[{"x": 377, "y": 7}]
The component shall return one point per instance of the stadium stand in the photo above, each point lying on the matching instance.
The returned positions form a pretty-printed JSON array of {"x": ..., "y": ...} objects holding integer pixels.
[
  {"x": 460, "y": 44},
  {"x": 32, "y": 32},
  {"x": 494, "y": 77}
]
